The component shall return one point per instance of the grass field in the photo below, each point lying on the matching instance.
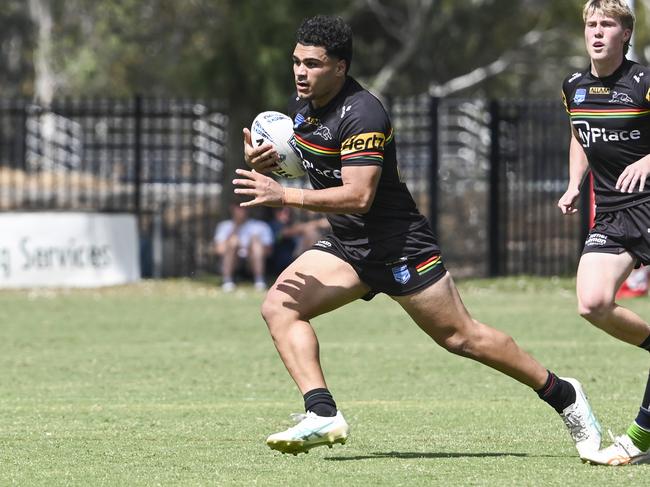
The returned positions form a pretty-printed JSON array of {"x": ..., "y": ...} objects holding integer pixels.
[{"x": 175, "y": 383}]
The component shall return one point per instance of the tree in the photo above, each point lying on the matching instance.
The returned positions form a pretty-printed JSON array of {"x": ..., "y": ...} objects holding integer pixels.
[
  {"x": 239, "y": 49},
  {"x": 450, "y": 47},
  {"x": 16, "y": 47},
  {"x": 44, "y": 78}
]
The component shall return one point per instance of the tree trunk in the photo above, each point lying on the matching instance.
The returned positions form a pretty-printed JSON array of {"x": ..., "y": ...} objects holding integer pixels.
[{"x": 44, "y": 78}]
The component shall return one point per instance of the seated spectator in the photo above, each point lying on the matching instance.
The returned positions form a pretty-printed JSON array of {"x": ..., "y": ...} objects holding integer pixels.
[
  {"x": 291, "y": 237},
  {"x": 243, "y": 240}
]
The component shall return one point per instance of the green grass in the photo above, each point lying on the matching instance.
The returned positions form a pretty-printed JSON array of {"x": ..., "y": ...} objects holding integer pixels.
[{"x": 174, "y": 383}]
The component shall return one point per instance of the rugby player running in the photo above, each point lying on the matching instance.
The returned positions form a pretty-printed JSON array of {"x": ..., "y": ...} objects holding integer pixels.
[
  {"x": 609, "y": 109},
  {"x": 380, "y": 243}
]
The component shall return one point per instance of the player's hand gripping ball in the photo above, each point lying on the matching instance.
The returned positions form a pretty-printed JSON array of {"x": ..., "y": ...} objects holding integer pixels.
[{"x": 276, "y": 128}]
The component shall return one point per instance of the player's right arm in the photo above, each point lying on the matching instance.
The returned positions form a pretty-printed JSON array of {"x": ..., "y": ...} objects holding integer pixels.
[
  {"x": 578, "y": 166},
  {"x": 262, "y": 159},
  {"x": 354, "y": 195}
]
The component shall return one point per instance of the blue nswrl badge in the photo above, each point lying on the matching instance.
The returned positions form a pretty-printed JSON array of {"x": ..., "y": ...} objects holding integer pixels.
[
  {"x": 579, "y": 96},
  {"x": 401, "y": 273},
  {"x": 298, "y": 120}
]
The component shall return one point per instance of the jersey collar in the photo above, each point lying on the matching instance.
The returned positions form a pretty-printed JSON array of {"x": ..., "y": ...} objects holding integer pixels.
[{"x": 616, "y": 74}]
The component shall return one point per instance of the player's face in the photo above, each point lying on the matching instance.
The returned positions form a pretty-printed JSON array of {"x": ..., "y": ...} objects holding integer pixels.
[
  {"x": 318, "y": 77},
  {"x": 605, "y": 37}
]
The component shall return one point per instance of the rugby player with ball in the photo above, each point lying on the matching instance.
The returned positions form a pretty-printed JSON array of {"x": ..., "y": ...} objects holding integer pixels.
[{"x": 380, "y": 243}]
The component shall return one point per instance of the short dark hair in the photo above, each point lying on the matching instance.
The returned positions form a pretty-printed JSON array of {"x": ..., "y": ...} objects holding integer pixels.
[{"x": 329, "y": 32}]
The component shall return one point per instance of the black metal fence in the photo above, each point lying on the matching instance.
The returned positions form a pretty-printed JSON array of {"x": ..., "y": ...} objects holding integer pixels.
[
  {"x": 488, "y": 175},
  {"x": 528, "y": 174},
  {"x": 162, "y": 160}
]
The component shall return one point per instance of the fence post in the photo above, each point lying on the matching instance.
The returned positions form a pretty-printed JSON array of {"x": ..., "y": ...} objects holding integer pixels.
[
  {"x": 494, "y": 205},
  {"x": 22, "y": 110},
  {"x": 157, "y": 244},
  {"x": 434, "y": 163},
  {"x": 137, "y": 156}
]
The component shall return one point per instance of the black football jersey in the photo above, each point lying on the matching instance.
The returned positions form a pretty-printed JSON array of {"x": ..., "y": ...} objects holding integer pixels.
[
  {"x": 611, "y": 117},
  {"x": 353, "y": 129}
]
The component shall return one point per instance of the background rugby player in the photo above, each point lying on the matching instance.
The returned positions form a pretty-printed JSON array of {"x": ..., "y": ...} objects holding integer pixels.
[
  {"x": 609, "y": 108},
  {"x": 380, "y": 243}
]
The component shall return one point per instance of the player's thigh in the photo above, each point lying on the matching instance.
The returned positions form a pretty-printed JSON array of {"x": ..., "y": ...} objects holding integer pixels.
[
  {"x": 315, "y": 283},
  {"x": 438, "y": 309},
  {"x": 600, "y": 275}
]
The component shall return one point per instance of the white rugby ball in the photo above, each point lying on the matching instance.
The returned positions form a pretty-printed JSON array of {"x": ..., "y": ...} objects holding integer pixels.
[{"x": 277, "y": 128}]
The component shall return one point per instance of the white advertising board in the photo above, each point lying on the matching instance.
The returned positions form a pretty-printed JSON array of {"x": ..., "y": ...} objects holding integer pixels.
[{"x": 46, "y": 249}]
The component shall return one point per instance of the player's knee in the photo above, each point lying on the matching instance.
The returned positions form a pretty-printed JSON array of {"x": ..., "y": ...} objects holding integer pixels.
[
  {"x": 275, "y": 312},
  {"x": 477, "y": 341},
  {"x": 458, "y": 344},
  {"x": 270, "y": 308},
  {"x": 594, "y": 307}
]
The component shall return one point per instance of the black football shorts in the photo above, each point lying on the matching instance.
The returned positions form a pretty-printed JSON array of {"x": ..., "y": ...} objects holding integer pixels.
[
  {"x": 397, "y": 266},
  {"x": 627, "y": 229}
]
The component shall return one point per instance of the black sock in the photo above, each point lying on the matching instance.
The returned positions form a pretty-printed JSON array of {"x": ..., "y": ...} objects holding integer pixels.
[
  {"x": 320, "y": 402},
  {"x": 558, "y": 393},
  {"x": 646, "y": 344}
]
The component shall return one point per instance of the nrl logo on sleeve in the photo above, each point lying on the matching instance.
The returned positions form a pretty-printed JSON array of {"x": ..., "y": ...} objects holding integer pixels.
[{"x": 367, "y": 141}]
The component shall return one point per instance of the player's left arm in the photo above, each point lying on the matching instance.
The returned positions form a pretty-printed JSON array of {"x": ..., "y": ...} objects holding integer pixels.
[
  {"x": 634, "y": 176},
  {"x": 355, "y": 195}
]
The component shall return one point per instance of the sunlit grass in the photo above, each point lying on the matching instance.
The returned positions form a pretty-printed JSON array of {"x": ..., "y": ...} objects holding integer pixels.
[{"x": 175, "y": 383}]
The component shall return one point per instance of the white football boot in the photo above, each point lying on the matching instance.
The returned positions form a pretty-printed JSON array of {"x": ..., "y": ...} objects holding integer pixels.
[
  {"x": 311, "y": 431},
  {"x": 581, "y": 422},
  {"x": 622, "y": 452}
]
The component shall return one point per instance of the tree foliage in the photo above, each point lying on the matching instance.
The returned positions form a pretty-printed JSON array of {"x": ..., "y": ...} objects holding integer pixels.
[
  {"x": 239, "y": 50},
  {"x": 16, "y": 47}
]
